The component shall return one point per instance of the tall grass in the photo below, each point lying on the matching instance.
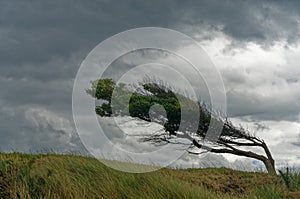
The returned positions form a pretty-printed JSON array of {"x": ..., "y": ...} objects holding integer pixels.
[
  {"x": 268, "y": 192},
  {"x": 291, "y": 177},
  {"x": 68, "y": 176}
]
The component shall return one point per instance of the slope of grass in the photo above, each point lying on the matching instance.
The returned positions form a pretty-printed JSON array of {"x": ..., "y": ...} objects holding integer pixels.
[{"x": 67, "y": 176}]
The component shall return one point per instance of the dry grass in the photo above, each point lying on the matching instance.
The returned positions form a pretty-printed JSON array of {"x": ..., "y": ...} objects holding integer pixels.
[{"x": 67, "y": 176}]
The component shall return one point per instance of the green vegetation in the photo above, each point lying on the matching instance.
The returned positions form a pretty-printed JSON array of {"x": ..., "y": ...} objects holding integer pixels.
[
  {"x": 138, "y": 104},
  {"x": 291, "y": 178},
  {"x": 68, "y": 176},
  {"x": 181, "y": 114}
]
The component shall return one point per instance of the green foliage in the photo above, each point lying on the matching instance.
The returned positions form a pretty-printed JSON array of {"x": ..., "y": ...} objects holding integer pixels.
[
  {"x": 104, "y": 110},
  {"x": 92, "y": 91},
  {"x": 139, "y": 104},
  {"x": 104, "y": 89}
]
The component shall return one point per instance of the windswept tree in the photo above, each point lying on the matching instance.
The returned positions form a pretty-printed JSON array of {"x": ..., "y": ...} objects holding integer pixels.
[{"x": 121, "y": 99}]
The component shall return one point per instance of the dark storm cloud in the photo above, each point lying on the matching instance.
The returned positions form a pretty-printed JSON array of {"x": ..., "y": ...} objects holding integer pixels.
[
  {"x": 41, "y": 47},
  {"x": 38, "y": 32},
  {"x": 263, "y": 22},
  {"x": 276, "y": 108},
  {"x": 42, "y": 44}
]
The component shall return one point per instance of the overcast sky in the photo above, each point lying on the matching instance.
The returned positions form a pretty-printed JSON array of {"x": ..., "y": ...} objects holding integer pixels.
[{"x": 254, "y": 44}]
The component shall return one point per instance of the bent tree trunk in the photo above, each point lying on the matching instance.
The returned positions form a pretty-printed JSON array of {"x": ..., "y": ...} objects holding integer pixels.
[
  {"x": 268, "y": 161},
  {"x": 269, "y": 164},
  {"x": 230, "y": 149}
]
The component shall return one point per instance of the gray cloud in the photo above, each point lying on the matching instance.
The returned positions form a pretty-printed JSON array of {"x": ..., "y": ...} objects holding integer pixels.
[
  {"x": 34, "y": 130},
  {"x": 263, "y": 84},
  {"x": 40, "y": 31},
  {"x": 214, "y": 160},
  {"x": 263, "y": 22},
  {"x": 43, "y": 43}
]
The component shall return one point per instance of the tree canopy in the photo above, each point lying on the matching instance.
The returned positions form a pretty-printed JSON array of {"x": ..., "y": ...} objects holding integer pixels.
[{"x": 121, "y": 99}]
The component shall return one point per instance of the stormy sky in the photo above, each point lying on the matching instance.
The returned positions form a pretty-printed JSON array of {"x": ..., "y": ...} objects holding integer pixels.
[{"x": 254, "y": 44}]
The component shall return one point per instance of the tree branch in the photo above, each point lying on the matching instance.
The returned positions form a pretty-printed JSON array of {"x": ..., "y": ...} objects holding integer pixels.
[{"x": 232, "y": 150}]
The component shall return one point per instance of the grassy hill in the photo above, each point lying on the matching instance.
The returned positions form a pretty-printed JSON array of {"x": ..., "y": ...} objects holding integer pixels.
[{"x": 67, "y": 176}]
